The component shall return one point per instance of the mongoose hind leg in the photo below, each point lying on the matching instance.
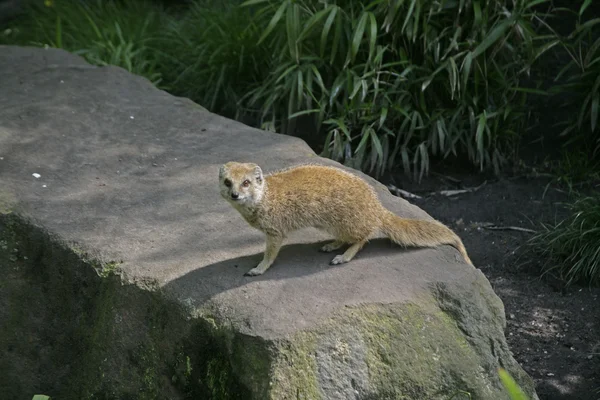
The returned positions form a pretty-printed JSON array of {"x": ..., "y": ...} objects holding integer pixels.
[
  {"x": 329, "y": 247},
  {"x": 273, "y": 246},
  {"x": 348, "y": 254}
]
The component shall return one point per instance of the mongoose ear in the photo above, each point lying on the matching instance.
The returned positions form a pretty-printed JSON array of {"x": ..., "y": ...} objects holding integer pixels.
[
  {"x": 258, "y": 174},
  {"x": 222, "y": 170}
]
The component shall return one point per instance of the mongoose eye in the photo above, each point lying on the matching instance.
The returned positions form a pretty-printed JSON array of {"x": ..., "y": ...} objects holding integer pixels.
[
  {"x": 246, "y": 183},
  {"x": 227, "y": 183}
]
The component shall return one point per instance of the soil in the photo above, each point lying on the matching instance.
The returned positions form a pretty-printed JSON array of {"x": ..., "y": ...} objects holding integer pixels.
[{"x": 553, "y": 330}]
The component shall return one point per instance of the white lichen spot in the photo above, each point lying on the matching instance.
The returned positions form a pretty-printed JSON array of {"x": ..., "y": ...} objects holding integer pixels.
[{"x": 36, "y": 175}]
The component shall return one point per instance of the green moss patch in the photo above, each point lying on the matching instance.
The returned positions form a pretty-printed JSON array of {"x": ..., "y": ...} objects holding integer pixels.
[{"x": 73, "y": 330}]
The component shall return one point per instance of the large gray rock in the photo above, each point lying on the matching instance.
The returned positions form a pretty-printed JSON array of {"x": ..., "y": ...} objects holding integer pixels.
[{"x": 128, "y": 183}]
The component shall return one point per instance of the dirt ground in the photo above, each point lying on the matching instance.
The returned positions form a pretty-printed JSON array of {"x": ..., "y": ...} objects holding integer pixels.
[{"x": 554, "y": 333}]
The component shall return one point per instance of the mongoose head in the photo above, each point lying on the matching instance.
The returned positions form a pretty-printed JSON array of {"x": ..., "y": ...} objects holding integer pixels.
[{"x": 241, "y": 184}]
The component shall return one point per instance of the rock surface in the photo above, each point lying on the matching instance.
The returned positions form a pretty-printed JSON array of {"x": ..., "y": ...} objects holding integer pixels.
[{"x": 127, "y": 182}]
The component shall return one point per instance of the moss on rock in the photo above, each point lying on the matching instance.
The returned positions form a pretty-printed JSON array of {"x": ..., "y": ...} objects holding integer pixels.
[
  {"x": 74, "y": 330},
  {"x": 398, "y": 351}
]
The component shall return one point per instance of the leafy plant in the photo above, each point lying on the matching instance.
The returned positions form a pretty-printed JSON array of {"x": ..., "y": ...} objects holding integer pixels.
[
  {"x": 582, "y": 73},
  {"x": 513, "y": 389},
  {"x": 570, "y": 247},
  {"x": 104, "y": 32},
  {"x": 213, "y": 56},
  {"x": 400, "y": 80}
]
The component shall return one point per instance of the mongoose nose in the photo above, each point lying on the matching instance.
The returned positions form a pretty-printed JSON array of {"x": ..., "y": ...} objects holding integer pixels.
[{"x": 234, "y": 195}]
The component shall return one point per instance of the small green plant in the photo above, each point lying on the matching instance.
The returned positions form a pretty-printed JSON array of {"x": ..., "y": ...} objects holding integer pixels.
[
  {"x": 513, "y": 389},
  {"x": 582, "y": 85},
  {"x": 570, "y": 248},
  {"x": 212, "y": 55},
  {"x": 576, "y": 168},
  {"x": 400, "y": 81},
  {"x": 104, "y": 32}
]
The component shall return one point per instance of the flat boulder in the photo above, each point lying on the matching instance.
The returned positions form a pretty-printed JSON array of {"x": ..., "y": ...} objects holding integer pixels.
[{"x": 109, "y": 196}]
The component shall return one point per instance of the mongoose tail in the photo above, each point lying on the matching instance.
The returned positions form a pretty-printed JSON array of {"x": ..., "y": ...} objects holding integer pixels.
[{"x": 421, "y": 233}]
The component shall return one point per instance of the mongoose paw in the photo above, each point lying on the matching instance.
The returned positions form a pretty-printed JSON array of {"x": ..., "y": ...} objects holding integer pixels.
[
  {"x": 328, "y": 248},
  {"x": 331, "y": 246},
  {"x": 339, "y": 259},
  {"x": 254, "y": 272}
]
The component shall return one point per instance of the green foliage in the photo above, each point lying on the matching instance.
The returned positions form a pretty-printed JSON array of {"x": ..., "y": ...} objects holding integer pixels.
[
  {"x": 40, "y": 397},
  {"x": 576, "y": 168},
  {"x": 383, "y": 82},
  {"x": 583, "y": 81},
  {"x": 400, "y": 80},
  {"x": 213, "y": 55},
  {"x": 104, "y": 32},
  {"x": 571, "y": 246}
]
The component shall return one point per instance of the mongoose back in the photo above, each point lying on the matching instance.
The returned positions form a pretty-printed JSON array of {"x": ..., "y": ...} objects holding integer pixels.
[{"x": 326, "y": 198}]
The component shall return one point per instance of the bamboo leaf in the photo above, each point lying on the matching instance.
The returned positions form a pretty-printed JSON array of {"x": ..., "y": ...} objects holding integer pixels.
[
  {"x": 584, "y": 6},
  {"x": 304, "y": 112},
  {"x": 466, "y": 70},
  {"x": 319, "y": 78},
  {"x": 375, "y": 142},
  {"x": 479, "y": 138},
  {"x": 274, "y": 20},
  {"x": 341, "y": 125},
  {"x": 252, "y": 2},
  {"x": 373, "y": 35},
  {"x": 493, "y": 36},
  {"x": 383, "y": 116},
  {"x": 336, "y": 42},
  {"x": 312, "y": 21},
  {"x": 336, "y": 87},
  {"x": 409, "y": 14},
  {"x": 363, "y": 141},
  {"x": 477, "y": 13},
  {"x": 535, "y": 3},
  {"x": 594, "y": 110},
  {"x": 292, "y": 27},
  {"x": 300, "y": 90},
  {"x": 357, "y": 37},
  {"x": 326, "y": 28}
]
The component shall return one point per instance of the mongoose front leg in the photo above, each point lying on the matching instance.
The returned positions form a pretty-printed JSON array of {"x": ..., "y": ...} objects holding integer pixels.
[
  {"x": 348, "y": 254},
  {"x": 329, "y": 247},
  {"x": 273, "y": 246}
]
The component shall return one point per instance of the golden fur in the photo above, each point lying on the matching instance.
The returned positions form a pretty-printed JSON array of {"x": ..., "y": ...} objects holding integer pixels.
[{"x": 326, "y": 198}]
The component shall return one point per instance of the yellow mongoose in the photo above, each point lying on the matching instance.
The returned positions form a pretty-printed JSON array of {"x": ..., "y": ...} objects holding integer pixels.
[{"x": 326, "y": 198}]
